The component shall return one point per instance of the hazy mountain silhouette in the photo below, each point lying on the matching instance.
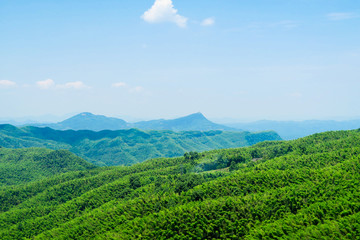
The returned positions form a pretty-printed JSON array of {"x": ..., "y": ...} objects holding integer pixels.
[
  {"x": 89, "y": 121},
  {"x": 196, "y": 122},
  {"x": 297, "y": 129}
]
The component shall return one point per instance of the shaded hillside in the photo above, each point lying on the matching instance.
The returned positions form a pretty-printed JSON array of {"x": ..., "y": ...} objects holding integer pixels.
[
  {"x": 127, "y": 146},
  {"x": 296, "y": 129},
  {"x": 302, "y": 189},
  {"x": 25, "y": 165}
]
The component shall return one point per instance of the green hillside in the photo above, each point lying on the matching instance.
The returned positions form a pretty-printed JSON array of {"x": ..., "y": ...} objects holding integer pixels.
[
  {"x": 24, "y": 165},
  {"x": 302, "y": 189},
  {"x": 126, "y": 147}
]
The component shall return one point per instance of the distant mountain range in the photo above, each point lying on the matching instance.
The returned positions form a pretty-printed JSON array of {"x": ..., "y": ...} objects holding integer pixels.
[
  {"x": 193, "y": 122},
  {"x": 198, "y": 122},
  {"x": 296, "y": 129},
  {"x": 89, "y": 121}
]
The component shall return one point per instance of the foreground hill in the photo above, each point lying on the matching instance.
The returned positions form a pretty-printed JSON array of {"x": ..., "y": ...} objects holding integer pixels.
[
  {"x": 296, "y": 129},
  {"x": 25, "y": 165},
  {"x": 124, "y": 147},
  {"x": 89, "y": 121},
  {"x": 302, "y": 189}
]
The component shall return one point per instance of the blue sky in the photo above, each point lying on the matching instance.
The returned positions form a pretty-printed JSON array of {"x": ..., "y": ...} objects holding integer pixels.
[{"x": 235, "y": 59}]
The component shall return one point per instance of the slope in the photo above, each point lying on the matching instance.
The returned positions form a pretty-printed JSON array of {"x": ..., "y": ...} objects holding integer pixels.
[
  {"x": 302, "y": 189},
  {"x": 24, "y": 165},
  {"x": 125, "y": 147}
]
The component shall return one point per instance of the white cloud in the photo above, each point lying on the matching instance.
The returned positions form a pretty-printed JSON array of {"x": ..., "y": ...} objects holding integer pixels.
[
  {"x": 341, "y": 16},
  {"x": 46, "y": 84},
  {"x": 119, "y": 84},
  {"x": 73, "y": 85},
  {"x": 164, "y": 11},
  {"x": 50, "y": 84},
  {"x": 208, "y": 22},
  {"x": 131, "y": 89},
  {"x": 7, "y": 83}
]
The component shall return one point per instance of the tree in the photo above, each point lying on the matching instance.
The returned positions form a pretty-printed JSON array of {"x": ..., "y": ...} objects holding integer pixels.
[{"x": 134, "y": 181}]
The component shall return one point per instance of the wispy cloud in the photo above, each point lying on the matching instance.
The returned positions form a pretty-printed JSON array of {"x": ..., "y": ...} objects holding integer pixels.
[
  {"x": 208, "y": 22},
  {"x": 7, "y": 83},
  {"x": 137, "y": 89},
  {"x": 130, "y": 89},
  {"x": 73, "y": 85},
  {"x": 341, "y": 16},
  {"x": 119, "y": 85},
  {"x": 164, "y": 11},
  {"x": 46, "y": 84},
  {"x": 287, "y": 24},
  {"x": 50, "y": 84}
]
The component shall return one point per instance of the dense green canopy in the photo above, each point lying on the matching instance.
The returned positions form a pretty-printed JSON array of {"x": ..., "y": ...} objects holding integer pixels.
[
  {"x": 29, "y": 164},
  {"x": 302, "y": 189}
]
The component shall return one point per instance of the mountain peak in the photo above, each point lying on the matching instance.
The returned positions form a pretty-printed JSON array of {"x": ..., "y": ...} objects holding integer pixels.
[
  {"x": 89, "y": 121},
  {"x": 86, "y": 114},
  {"x": 197, "y": 115}
]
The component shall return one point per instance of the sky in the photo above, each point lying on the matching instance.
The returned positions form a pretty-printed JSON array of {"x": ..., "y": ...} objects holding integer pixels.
[{"x": 147, "y": 59}]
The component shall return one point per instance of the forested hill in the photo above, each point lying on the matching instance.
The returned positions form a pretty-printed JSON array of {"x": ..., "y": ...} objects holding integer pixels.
[
  {"x": 24, "y": 165},
  {"x": 125, "y": 147},
  {"x": 303, "y": 189}
]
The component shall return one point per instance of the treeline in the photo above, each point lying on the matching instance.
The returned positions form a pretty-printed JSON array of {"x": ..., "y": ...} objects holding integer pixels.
[{"x": 301, "y": 189}]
